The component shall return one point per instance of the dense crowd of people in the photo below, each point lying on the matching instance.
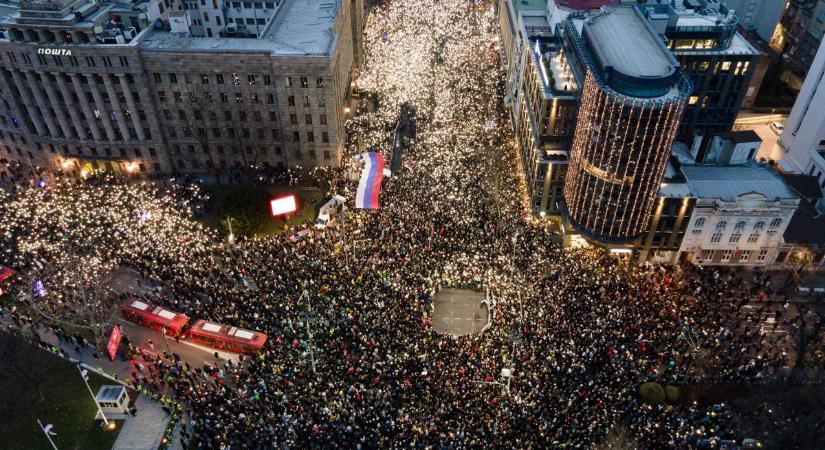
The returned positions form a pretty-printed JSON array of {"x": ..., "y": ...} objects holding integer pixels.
[{"x": 579, "y": 329}]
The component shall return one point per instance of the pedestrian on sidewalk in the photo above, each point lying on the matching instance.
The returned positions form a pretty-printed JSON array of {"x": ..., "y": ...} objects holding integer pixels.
[{"x": 151, "y": 345}]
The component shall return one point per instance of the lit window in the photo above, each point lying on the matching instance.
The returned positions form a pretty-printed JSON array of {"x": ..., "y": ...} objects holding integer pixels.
[{"x": 693, "y": 99}]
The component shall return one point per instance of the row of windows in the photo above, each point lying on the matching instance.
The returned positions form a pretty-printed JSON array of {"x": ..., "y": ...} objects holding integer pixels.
[
  {"x": 742, "y": 255},
  {"x": 740, "y": 225},
  {"x": 234, "y": 79}
]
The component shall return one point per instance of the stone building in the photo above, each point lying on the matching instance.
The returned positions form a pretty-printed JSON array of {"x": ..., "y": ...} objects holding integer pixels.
[{"x": 99, "y": 89}]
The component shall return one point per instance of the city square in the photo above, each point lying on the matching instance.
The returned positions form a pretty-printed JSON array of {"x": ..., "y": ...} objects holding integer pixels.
[{"x": 410, "y": 285}]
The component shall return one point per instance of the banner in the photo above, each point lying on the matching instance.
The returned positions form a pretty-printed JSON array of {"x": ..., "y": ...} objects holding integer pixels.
[
  {"x": 370, "y": 184},
  {"x": 114, "y": 342}
]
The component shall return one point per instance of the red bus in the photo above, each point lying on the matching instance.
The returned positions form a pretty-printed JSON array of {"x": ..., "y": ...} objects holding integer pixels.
[
  {"x": 225, "y": 337},
  {"x": 155, "y": 317}
]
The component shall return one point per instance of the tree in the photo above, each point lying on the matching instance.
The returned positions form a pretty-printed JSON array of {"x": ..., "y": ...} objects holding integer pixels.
[{"x": 618, "y": 439}]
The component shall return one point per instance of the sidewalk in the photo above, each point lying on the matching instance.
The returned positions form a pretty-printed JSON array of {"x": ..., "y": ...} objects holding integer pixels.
[{"x": 145, "y": 430}]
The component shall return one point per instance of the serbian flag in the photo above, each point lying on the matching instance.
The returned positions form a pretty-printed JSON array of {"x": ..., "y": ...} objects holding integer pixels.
[{"x": 370, "y": 184}]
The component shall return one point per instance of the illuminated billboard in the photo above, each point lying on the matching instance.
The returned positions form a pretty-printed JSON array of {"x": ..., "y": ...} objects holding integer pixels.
[{"x": 283, "y": 205}]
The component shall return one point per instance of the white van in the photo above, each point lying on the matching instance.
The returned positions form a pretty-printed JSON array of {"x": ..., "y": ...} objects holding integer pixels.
[{"x": 330, "y": 210}]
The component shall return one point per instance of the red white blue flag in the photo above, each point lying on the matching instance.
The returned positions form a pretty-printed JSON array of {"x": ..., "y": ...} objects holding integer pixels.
[{"x": 370, "y": 184}]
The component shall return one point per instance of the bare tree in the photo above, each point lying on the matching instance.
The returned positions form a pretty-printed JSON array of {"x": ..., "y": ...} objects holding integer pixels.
[{"x": 618, "y": 439}]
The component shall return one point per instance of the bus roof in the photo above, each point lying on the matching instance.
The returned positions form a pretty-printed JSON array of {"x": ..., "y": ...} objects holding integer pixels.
[
  {"x": 156, "y": 313},
  {"x": 225, "y": 331}
]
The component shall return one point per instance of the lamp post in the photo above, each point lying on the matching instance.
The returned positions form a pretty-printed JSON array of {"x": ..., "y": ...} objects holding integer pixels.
[{"x": 229, "y": 224}]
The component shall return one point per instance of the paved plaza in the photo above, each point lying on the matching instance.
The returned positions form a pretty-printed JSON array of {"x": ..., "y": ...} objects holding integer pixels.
[{"x": 460, "y": 312}]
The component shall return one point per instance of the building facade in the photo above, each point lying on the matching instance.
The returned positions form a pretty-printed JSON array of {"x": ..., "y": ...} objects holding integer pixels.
[
  {"x": 96, "y": 94},
  {"x": 800, "y": 34},
  {"x": 739, "y": 218},
  {"x": 632, "y": 98},
  {"x": 718, "y": 60},
  {"x": 801, "y": 148}
]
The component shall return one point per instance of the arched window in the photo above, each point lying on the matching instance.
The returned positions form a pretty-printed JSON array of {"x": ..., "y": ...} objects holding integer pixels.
[
  {"x": 775, "y": 223},
  {"x": 739, "y": 225},
  {"x": 759, "y": 225},
  {"x": 721, "y": 225},
  {"x": 700, "y": 222}
]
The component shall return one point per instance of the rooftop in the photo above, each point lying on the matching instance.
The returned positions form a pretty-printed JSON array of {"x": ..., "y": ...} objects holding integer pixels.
[
  {"x": 621, "y": 39},
  {"x": 528, "y": 5},
  {"x": 300, "y": 27},
  {"x": 740, "y": 137},
  {"x": 805, "y": 185},
  {"x": 806, "y": 226},
  {"x": 109, "y": 393},
  {"x": 585, "y": 5},
  {"x": 729, "y": 182}
]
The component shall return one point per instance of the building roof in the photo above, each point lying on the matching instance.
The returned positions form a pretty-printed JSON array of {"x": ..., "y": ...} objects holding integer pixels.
[
  {"x": 109, "y": 393},
  {"x": 806, "y": 226},
  {"x": 528, "y": 5},
  {"x": 299, "y": 28},
  {"x": 805, "y": 185},
  {"x": 730, "y": 182},
  {"x": 621, "y": 39},
  {"x": 305, "y": 26},
  {"x": 741, "y": 137},
  {"x": 585, "y": 5}
]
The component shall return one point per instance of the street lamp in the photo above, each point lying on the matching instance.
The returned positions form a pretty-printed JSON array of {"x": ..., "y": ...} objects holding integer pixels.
[{"x": 229, "y": 224}]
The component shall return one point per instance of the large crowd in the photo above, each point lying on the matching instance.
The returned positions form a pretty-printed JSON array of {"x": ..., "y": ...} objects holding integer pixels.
[{"x": 579, "y": 329}]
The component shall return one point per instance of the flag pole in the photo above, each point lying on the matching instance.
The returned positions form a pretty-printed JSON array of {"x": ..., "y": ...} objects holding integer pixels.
[
  {"x": 86, "y": 381},
  {"x": 46, "y": 433}
]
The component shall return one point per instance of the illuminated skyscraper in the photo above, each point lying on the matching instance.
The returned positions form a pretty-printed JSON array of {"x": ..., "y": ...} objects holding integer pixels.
[{"x": 633, "y": 96}]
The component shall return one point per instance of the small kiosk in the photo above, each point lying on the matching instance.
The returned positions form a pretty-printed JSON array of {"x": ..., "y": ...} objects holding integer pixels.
[{"x": 113, "y": 399}]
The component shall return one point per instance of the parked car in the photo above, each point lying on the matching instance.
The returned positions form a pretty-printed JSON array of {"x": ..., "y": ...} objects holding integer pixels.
[{"x": 778, "y": 128}]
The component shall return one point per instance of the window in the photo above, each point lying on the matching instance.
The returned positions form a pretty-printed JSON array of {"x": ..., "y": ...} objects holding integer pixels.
[
  {"x": 693, "y": 99},
  {"x": 290, "y": 100},
  {"x": 716, "y": 238},
  {"x": 288, "y": 81},
  {"x": 236, "y": 79},
  {"x": 775, "y": 223},
  {"x": 219, "y": 78},
  {"x": 310, "y": 136},
  {"x": 308, "y": 119},
  {"x": 296, "y": 137},
  {"x": 700, "y": 222},
  {"x": 753, "y": 238},
  {"x": 734, "y": 237},
  {"x": 162, "y": 96},
  {"x": 250, "y": 79},
  {"x": 267, "y": 80},
  {"x": 204, "y": 78},
  {"x": 306, "y": 101},
  {"x": 157, "y": 77},
  {"x": 304, "y": 82},
  {"x": 726, "y": 255},
  {"x": 325, "y": 138},
  {"x": 173, "y": 78},
  {"x": 721, "y": 225},
  {"x": 745, "y": 255},
  {"x": 758, "y": 225},
  {"x": 270, "y": 98},
  {"x": 762, "y": 256},
  {"x": 739, "y": 226},
  {"x": 319, "y": 82},
  {"x": 293, "y": 119},
  {"x": 327, "y": 154},
  {"x": 709, "y": 254}
]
